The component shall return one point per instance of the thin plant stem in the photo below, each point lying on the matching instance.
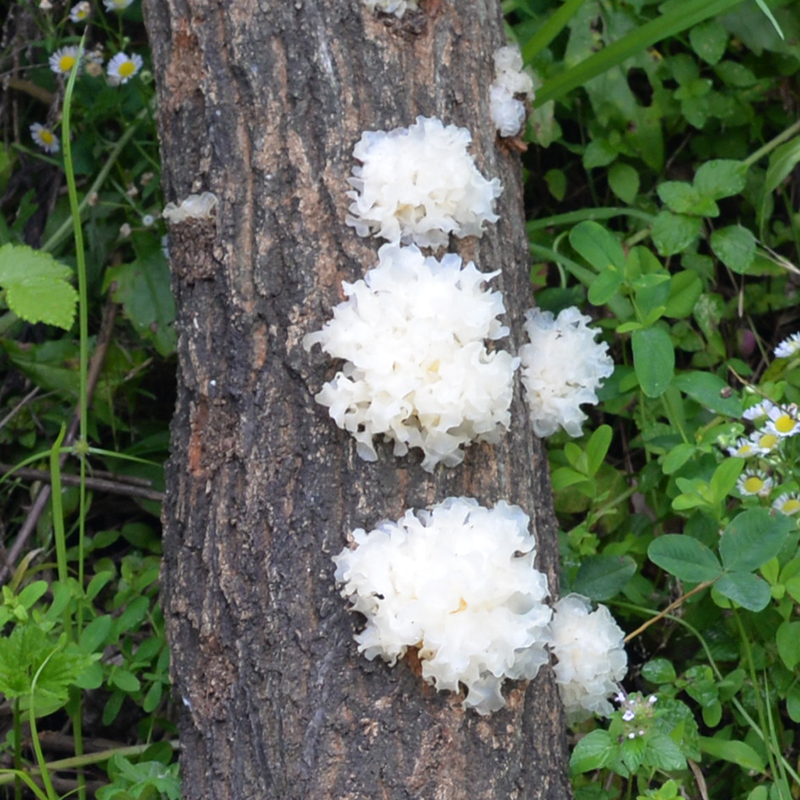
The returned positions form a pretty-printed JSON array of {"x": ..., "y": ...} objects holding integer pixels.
[
  {"x": 37, "y": 745},
  {"x": 574, "y": 217},
  {"x": 17, "y": 749},
  {"x": 772, "y": 144},
  {"x": 671, "y": 607},
  {"x": 83, "y": 324}
]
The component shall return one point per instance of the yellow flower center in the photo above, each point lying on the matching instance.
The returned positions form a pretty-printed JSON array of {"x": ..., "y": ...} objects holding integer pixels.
[
  {"x": 791, "y": 506},
  {"x": 126, "y": 69},
  {"x": 785, "y": 423},
  {"x": 768, "y": 441},
  {"x": 66, "y": 62},
  {"x": 46, "y": 137},
  {"x": 753, "y": 484}
]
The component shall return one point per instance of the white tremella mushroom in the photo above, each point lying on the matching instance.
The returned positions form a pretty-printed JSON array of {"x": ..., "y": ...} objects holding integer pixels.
[
  {"x": 458, "y": 583},
  {"x": 507, "y": 94},
  {"x": 417, "y": 372},
  {"x": 419, "y": 184},
  {"x": 396, "y": 7},
  {"x": 562, "y": 367},
  {"x": 590, "y": 649}
]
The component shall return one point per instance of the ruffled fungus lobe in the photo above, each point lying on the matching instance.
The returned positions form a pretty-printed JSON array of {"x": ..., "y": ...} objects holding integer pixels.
[
  {"x": 561, "y": 369},
  {"x": 590, "y": 649},
  {"x": 509, "y": 91},
  {"x": 396, "y": 7},
  {"x": 419, "y": 185},
  {"x": 417, "y": 371},
  {"x": 457, "y": 582},
  {"x": 195, "y": 206}
]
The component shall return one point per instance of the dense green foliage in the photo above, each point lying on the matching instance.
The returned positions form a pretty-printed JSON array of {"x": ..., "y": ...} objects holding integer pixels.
[{"x": 662, "y": 187}]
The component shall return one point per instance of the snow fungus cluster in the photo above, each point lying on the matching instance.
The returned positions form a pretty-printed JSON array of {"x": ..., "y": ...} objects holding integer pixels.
[{"x": 417, "y": 340}]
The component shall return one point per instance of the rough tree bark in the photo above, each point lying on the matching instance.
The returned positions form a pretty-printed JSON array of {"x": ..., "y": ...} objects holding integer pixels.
[{"x": 261, "y": 102}]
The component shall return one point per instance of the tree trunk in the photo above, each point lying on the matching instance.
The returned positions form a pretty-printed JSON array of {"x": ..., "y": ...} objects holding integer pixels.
[{"x": 261, "y": 104}]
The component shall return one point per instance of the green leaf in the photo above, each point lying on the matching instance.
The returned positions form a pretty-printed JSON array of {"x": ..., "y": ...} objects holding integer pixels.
[
  {"x": 96, "y": 634},
  {"x": 709, "y": 40},
  {"x": 594, "y": 751},
  {"x": 682, "y": 198},
  {"x": 598, "y": 153},
  {"x": 663, "y": 753},
  {"x": 597, "y": 448},
  {"x": 724, "y": 479},
  {"x": 143, "y": 289},
  {"x": 674, "y": 233},
  {"x": 653, "y": 360},
  {"x": 753, "y": 538},
  {"x": 37, "y": 286},
  {"x": 624, "y": 182},
  {"x": 746, "y": 589},
  {"x": 124, "y": 680},
  {"x": 710, "y": 391},
  {"x": 677, "y": 457},
  {"x": 598, "y": 246},
  {"x": 738, "y": 753},
  {"x": 556, "y": 180},
  {"x": 684, "y": 557},
  {"x": 735, "y": 247},
  {"x": 602, "y": 577},
  {"x": 659, "y": 670},
  {"x": 781, "y": 163},
  {"x": 564, "y": 477},
  {"x": 29, "y": 650},
  {"x": 720, "y": 178},
  {"x": 684, "y": 290},
  {"x": 788, "y": 641}
]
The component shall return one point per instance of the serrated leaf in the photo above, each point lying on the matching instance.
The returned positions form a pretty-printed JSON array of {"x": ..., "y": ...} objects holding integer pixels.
[
  {"x": 37, "y": 286},
  {"x": 682, "y": 198},
  {"x": 29, "y": 650},
  {"x": 663, "y": 753},
  {"x": 143, "y": 289},
  {"x": 735, "y": 247},
  {"x": 720, "y": 178},
  {"x": 602, "y": 577},
  {"x": 684, "y": 557},
  {"x": 709, "y": 40},
  {"x": 674, "y": 233},
  {"x": 594, "y": 751},
  {"x": 653, "y": 360}
]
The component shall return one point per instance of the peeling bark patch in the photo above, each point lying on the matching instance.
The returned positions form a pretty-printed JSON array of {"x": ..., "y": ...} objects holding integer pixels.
[
  {"x": 212, "y": 438},
  {"x": 213, "y": 683}
]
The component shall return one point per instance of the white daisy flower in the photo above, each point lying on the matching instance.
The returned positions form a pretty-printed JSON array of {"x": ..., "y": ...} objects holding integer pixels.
[
  {"x": 116, "y": 5},
  {"x": 759, "y": 410},
  {"x": 783, "y": 421},
  {"x": 45, "y": 138},
  {"x": 744, "y": 448},
  {"x": 752, "y": 482},
  {"x": 123, "y": 67},
  {"x": 788, "y": 504},
  {"x": 81, "y": 11},
  {"x": 789, "y": 346},
  {"x": 764, "y": 441},
  {"x": 64, "y": 59}
]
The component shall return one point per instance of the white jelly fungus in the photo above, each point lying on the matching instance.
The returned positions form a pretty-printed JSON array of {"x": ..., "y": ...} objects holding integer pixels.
[
  {"x": 458, "y": 583},
  {"x": 417, "y": 371},
  {"x": 591, "y": 659},
  {"x": 396, "y": 7},
  {"x": 419, "y": 185},
  {"x": 561, "y": 369},
  {"x": 195, "y": 206},
  {"x": 508, "y": 92}
]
